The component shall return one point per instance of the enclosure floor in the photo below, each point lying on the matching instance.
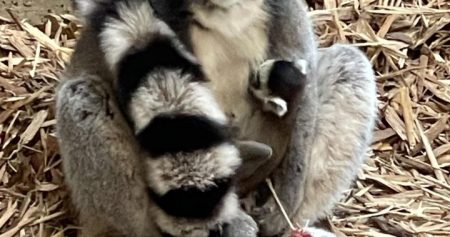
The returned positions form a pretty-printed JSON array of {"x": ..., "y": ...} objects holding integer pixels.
[
  {"x": 35, "y": 10},
  {"x": 403, "y": 190}
]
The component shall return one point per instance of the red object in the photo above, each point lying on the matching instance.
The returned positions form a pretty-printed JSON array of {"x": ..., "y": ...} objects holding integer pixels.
[{"x": 300, "y": 233}]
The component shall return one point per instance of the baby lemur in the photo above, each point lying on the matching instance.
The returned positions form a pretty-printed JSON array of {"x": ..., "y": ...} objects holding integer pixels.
[{"x": 277, "y": 83}]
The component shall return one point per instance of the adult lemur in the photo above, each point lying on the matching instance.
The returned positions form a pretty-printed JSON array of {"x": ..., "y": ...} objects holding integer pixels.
[
  {"x": 188, "y": 150},
  {"x": 192, "y": 156},
  {"x": 316, "y": 154}
]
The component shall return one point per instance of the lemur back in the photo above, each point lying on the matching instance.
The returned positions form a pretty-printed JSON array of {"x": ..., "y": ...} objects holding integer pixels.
[{"x": 164, "y": 95}]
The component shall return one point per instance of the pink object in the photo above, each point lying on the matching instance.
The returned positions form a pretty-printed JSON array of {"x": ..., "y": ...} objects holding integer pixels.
[{"x": 300, "y": 233}]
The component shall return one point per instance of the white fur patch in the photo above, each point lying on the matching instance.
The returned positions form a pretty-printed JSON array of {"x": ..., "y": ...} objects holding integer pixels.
[
  {"x": 229, "y": 17},
  {"x": 264, "y": 71},
  {"x": 170, "y": 91},
  {"x": 275, "y": 105},
  {"x": 302, "y": 65},
  {"x": 135, "y": 28},
  {"x": 86, "y": 7},
  {"x": 198, "y": 169}
]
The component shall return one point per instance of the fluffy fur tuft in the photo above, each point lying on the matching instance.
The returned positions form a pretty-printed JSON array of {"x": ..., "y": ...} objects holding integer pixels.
[
  {"x": 166, "y": 91},
  {"x": 85, "y": 7},
  {"x": 138, "y": 66},
  {"x": 130, "y": 30}
]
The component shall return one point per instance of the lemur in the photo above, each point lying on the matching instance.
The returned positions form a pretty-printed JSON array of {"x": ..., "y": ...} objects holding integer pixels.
[
  {"x": 276, "y": 84},
  {"x": 163, "y": 93},
  {"x": 316, "y": 153}
]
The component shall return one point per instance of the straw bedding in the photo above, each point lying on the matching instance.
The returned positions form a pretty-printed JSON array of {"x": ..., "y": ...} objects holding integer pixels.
[{"x": 404, "y": 189}]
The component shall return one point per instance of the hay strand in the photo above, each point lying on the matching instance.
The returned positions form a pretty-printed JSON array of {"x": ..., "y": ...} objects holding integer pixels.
[{"x": 404, "y": 189}]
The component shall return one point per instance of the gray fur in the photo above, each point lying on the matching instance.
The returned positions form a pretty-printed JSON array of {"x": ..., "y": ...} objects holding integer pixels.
[
  {"x": 102, "y": 164},
  {"x": 101, "y": 161},
  {"x": 171, "y": 91},
  {"x": 199, "y": 168},
  {"x": 316, "y": 158},
  {"x": 301, "y": 149},
  {"x": 244, "y": 225},
  {"x": 345, "y": 118},
  {"x": 82, "y": 90},
  {"x": 295, "y": 39}
]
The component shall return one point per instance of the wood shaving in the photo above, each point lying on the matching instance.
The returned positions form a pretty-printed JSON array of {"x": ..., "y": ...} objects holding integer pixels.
[{"x": 403, "y": 190}]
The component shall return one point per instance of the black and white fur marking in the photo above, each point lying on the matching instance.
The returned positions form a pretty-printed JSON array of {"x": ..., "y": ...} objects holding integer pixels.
[
  {"x": 277, "y": 83},
  {"x": 163, "y": 93},
  {"x": 229, "y": 38}
]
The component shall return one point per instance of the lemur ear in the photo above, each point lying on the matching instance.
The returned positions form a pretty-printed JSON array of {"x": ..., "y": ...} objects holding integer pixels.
[
  {"x": 254, "y": 154},
  {"x": 302, "y": 66}
]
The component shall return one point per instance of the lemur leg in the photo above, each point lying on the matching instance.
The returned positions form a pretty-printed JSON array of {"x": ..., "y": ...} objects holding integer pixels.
[
  {"x": 100, "y": 162},
  {"x": 345, "y": 118}
]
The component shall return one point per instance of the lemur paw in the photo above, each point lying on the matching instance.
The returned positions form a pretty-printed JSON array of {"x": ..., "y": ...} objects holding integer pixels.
[
  {"x": 273, "y": 224},
  {"x": 243, "y": 226}
]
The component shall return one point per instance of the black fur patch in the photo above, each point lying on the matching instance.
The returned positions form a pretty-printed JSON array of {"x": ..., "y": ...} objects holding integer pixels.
[
  {"x": 173, "y": 133},
  {"x": 285, "y": 80},
  {"x": 176, "y": 14},
  {"x": 217, "y": 232},
  {"x": 159, "y": 54},
  {"x": 167, "y": 235},
  {"x": 191, "y": 202}
]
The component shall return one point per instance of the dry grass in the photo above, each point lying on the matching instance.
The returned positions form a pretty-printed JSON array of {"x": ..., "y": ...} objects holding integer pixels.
[{"x": 403, "y": 191}]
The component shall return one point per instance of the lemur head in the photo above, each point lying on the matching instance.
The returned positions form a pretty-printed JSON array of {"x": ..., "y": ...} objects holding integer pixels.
[{"x": 276, "y": 83}]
